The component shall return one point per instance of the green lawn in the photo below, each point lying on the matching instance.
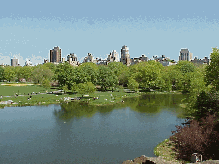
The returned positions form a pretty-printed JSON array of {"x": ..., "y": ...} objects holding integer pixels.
[{"x": 11, "y": 90}]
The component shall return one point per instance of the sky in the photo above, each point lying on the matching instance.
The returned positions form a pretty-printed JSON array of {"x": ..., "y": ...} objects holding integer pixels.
[{"x": 29, "y": 29}]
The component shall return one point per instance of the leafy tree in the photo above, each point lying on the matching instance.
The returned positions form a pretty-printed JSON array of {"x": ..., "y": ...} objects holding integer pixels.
[
  {"x": 86, "y": 88},
  {"x": 121, "y": 71},
  {"x": 74, "y": 88},
  {"x": 133, "y": 85},
  {"x": 65, "y": 88},
  {"x": 106, "y": 77},
  {"x": 65, "y": 74},
  {"x": 40, "y": 73},
  {"x": 1, "y": 73},
  {"x": 25, "y": 72},
  {"x": 87, "y": 72},
  {"x": 146, "y": 73},
  {"x": 46, "y": 83},
  {"x": 186, "y": 68},
  {"x": 212, "y": 70},
  {"x": 9, "y": 73}
]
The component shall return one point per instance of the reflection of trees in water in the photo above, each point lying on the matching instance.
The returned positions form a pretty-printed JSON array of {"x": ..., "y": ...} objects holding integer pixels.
[{"x": 144, "y": 104}]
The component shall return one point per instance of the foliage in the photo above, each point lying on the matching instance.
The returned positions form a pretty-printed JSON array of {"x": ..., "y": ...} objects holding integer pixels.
[
  {"x": 87, "y": 72},
  {"x": 9, "y": 73},
  {"x": 106, "y": 77},
  {"x": 121, "y": 71},
  {"x": 133, "y": 85},
  {"x": 46, "y": 83},
  {"x": 74, "y": 87},
  {"x": 199, "y": 137},
  {"x": 41, "y": 73},
  {"x": 212, "y": 70},
  {"x": 1, "y": 73},
  {"x": 86, "y": 88},
  {"x": 146, "y": 73},
  {"x": 65, "y": 74},
  {"x": 65, "y": 88}
]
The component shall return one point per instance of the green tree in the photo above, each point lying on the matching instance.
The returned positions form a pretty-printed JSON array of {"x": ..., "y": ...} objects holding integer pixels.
[
  {"x": 74, "y": 88},
  {"x": 9, "y": 73},
  {"x": 40, "y": 73},
  {"x": 86, "y": 88},
  {"x": 24, "y": 72},
  {"x": 121, "y": 71},
  {"x": 212, "y": 70},
  {"x": 146, "y": 73},
  {"x": 46, "y": 83},
  {"x": 66, "y": 74},
  {"x": 1, "y": 73},
  {"x": 106, "y": 77},
  {"x": 65, "y": 88},
  {"x": 186, "y": 68},
  {"x": 87, "y": 72},
  {"x": 133, "y": 84}
]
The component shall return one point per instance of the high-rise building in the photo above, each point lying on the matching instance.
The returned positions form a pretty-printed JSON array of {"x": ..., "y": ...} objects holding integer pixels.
[
  {"x": 185, "y": 54},
  {"x": 14, "y": 62},
  {"x": 113, "y": 56},
  {"x": 72, "y": 59},
  {"x": 55, "y": 55},
  {"x": 125, "y": 57}
]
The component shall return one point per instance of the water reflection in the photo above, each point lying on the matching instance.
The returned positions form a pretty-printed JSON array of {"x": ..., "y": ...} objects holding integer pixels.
[{"x": 149, "y": 103}]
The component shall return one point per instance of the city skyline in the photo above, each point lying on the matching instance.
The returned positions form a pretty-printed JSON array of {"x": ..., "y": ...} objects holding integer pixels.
[{"x": 150, "y": 28}]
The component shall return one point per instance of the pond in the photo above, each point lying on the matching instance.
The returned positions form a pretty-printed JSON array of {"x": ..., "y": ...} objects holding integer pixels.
[{"x": 78, "y": 133}]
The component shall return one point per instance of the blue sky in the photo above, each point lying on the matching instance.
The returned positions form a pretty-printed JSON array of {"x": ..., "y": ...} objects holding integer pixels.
[{"x": 29, "y": 29}]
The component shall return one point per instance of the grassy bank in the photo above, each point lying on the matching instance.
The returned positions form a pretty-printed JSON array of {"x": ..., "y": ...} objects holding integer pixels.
[
  {"x": 104, "y": 98},
  {"x": 166, "y": 149}
]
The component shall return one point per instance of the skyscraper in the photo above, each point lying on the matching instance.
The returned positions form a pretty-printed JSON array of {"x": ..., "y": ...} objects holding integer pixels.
[
  {"x": 185, "y": 54},
  {"x": 14, "y": 62},
  {"x": 55, "y": 55},
  {"x": 125, "y": 57}
]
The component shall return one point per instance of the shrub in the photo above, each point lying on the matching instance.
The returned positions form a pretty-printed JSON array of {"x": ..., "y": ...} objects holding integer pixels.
[{"x": 198, "y": 137}]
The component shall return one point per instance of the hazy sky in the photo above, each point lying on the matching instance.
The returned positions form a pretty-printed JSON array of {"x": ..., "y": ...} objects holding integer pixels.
[{"x": 29, "y": 29}]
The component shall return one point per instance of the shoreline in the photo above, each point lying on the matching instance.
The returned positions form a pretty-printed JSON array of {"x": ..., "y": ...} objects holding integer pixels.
[{"x": 58, "y": 100}]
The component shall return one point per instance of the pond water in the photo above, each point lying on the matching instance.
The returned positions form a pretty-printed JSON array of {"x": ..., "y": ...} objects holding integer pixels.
[{"x": 77, "y": 133}]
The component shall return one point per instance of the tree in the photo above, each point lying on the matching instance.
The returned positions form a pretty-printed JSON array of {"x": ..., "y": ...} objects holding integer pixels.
[
  {"x": 46, "y": 83},
  {"x": 40, "y": 73},
  {"x": 25, "y": 72},
  {"x": 132, "y": 84},
  {"x": 65, "y": 88},
  {"x": 66, "y": 74},
  {"x": 74, "y": 88},
  {"x": 212, "y": 70},
  {"x": 87, "y": 72},
  {"x": 186, "y": 68},
  {"x": 106, "y": 77},
  {"x": 9, "y": 73},
  {"x": 121, "y": 71},
  {"x": 146, "y": 73},
  {"x": 86, "y": 88},
  {"x": 1, "y": 73}
]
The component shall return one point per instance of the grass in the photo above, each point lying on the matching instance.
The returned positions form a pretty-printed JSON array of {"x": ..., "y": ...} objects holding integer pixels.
[
  {"x": 166, "y": 149},
  {"x": 105, "y": 98},
  {"x": 12, "y": 90}
]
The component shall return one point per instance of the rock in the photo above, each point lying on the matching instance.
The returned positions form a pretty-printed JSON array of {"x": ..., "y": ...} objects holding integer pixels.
[{"x": 139, "y": 160}]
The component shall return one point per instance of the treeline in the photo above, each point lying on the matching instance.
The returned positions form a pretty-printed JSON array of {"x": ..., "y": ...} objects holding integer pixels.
[{"x": 145, "y": 75}]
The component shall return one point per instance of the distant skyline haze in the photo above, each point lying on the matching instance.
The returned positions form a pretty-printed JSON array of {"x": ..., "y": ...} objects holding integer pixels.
[{"x": 30, "y": 29}]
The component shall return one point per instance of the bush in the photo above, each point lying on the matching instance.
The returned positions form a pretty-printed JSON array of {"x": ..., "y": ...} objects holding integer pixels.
[{"x": 198, "y": 137}]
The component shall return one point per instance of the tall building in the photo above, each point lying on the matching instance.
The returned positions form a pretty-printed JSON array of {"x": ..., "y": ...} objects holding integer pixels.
[
  {"x": 125, "y": 57},
  {"x": 14, "y": 62},
  {"x": 55, "y": 55},
  {"x": 113, "y": 56},
  {"x": 185, "y": 54},
  {"x": 72, "y": 59}
]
